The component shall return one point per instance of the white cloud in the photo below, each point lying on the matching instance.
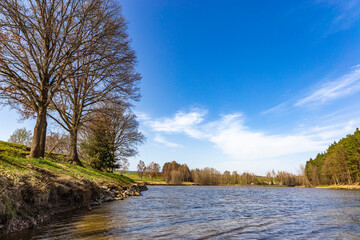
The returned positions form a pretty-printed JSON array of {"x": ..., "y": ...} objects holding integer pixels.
[
  {"x": 180, "y": 123},
  {"x": 160, "y": 139},
  {"x": 242, "y": 143},
  {"x": 343, "y": 86},
  {"x": 142, "y": 116},
  {"x": 277, "y": 108},
  {"x": 231, "y": 135},
  {"x": 332, "y": 132}
]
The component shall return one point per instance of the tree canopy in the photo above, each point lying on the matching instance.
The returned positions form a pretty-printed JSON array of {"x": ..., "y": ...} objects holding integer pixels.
[{"x": 339, "y": 164}]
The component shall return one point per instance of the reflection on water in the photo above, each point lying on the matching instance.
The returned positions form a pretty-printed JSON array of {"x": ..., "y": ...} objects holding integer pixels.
[{"x": 196, "y": 212}]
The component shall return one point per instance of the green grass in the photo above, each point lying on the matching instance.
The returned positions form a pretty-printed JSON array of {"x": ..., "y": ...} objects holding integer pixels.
[
  {"x": 14, "y": 165},
  {"x": 134, "y": 176}
]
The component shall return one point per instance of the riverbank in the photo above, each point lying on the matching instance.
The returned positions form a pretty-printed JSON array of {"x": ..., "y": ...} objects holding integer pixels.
[
  {"x": 33, "y": 190},
  {"x": 218, "y": 185},
  {"x": 342, "y": 187}
]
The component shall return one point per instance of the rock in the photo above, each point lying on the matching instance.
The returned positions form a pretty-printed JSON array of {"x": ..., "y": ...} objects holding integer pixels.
[{"x": 143, "y": 187}]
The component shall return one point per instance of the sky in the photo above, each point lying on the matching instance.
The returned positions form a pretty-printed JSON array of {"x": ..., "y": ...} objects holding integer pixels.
[{"x": 241, "y": 85}]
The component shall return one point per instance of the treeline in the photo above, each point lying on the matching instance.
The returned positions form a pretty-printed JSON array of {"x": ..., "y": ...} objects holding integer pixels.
[
  {"x": 71, "y": 61},
  {"x": 339, "y": 164},
  {"x": 176, "y": 173},
  {"x": 211, "y": 176},
  {"x": 152, "y": 170}
]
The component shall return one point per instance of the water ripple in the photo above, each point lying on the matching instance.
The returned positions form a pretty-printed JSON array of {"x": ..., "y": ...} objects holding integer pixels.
[{"x": 198, "y": 212}]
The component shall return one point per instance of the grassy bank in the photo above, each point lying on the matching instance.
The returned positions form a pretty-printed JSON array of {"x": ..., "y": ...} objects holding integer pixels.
[
  {"x": 158, "y": 180},
  {"x": 31, "y": 190},
  {"x": 14, "y": 165},
  {"x": 145, "y": 179},
  {"x": 344, "y": 187}
]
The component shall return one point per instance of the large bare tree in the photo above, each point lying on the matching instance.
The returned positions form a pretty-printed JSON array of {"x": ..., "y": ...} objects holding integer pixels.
[
  {"x": 39, "y": 41},
  {"x": 106, "y": 74}
]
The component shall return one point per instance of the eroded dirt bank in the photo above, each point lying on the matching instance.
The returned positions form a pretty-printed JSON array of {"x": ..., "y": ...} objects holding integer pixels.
[{"x": 24, "y": 204}]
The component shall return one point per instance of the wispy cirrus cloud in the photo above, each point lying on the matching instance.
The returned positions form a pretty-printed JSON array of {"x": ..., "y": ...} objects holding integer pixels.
[
  {"x": 343, "y": 86},
  {"x": 349, "y": 13},
  {"x": 332, "y": 131},
  {"x": 345, "y": 14},
  {"x": 160, "y": 139},
  {"x": 277, "y": 108}
]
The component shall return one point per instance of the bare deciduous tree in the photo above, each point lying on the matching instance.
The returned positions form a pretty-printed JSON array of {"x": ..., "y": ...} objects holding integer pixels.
[
  {"x": 40, "y": 42},
  {"x": 124, "y": 165},
  {"x": 175, "y": 177},
  {"x": 124, "y": 130},
  {"x": 57, "y": 142},
  {"x": 235, "y": 177},
  {"x": 141, "y": 168},
  {"x": 105, "y": 74},
  {"x": 153, "y": 169},
  {"x": 21, "y": 136}
]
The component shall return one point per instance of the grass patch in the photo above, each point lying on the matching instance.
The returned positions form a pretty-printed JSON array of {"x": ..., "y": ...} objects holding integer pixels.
[
  {"x": 145, "y": 179},
  {"x": 14, "y": 165}
]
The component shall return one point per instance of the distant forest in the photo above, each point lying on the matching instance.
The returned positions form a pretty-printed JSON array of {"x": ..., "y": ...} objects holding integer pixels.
[
  {"x": 339, "y": 164},
  {"x": 176, "y": 173}
]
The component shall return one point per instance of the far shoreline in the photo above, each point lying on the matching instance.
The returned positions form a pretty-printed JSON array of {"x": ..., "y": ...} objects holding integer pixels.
[
  {"x": 333, "y": 187},
  {"x": 340, "y": 187},
  {"x": 219, "y": 185}
]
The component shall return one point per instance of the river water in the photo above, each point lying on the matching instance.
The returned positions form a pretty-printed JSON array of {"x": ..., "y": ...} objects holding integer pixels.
[{"x": 208, "y": 212}]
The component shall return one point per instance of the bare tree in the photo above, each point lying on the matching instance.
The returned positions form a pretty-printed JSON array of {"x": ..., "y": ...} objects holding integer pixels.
[
  {"x": 167, "y": 168},
  {"x": 21, "y": 136},
  {"x": 39, "y": 42},
  {"x": 247, "y": 178},
  {"x": 105, "y": 74},
  {"x": 153, "y": 169},
  {"x": 235, "y": 177},
  {"x": 175, "y": 177},
  {"x": 302, "y": 174},
  {"x": 124, "y": 130},
  {"x": 226, "y": 178},
  {"x": 141, "y": 168},
  {"x": 185, "y": 172},
  {"x": 124, "y": 165},
  {"x": 57, "y": 142}
]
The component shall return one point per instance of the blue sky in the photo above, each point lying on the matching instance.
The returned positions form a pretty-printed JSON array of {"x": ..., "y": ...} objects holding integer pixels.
[{"x": 241, "y": 85}]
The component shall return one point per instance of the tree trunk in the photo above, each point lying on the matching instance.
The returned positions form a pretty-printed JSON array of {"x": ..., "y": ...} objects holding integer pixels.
[
  {"x": 37, "y": 143},
  {"x": 74, "y": 156},
  {"x": 43, "y": 139}
]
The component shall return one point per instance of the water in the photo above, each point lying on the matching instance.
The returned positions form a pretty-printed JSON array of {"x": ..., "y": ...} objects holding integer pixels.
[{"x": 201, "y": 212}]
